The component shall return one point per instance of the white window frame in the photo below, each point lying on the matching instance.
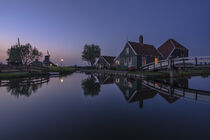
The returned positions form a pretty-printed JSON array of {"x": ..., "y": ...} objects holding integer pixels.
[{"x": 127, "y": 50}]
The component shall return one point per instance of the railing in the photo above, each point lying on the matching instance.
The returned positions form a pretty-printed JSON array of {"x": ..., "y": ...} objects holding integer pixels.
[
  {"x": 193, "y": 94},
  {"x": 7, "y": 68},
  {"x": 26, "y": 81},
  {"x": 184, "y": 62}
]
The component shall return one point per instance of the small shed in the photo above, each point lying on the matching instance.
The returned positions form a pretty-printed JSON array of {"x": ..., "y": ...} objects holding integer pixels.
[
  {"x": 105, "y": 62},
  {"x": 172, "y": 48}
]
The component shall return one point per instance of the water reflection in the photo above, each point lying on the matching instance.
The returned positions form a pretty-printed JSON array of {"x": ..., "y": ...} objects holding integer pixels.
[
  {"x": 134, "y": 91},
  {"x": 26, "y": 86},
  {"x": 91, "y": 86},
  {"x": 139, "y": 90}
]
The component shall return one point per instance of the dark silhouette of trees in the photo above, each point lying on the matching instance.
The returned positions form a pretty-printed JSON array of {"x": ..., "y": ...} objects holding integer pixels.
[
  {"x": 23, "y": 54},
  {"x": 19, "y": 87},
  {"x": 90, "y": 53}
]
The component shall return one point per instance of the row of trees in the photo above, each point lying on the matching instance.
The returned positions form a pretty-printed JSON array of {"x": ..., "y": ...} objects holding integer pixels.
[{"x": 23, "y": 54}]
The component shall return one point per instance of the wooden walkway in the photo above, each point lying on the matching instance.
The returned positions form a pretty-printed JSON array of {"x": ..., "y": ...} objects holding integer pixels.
[{"x": 176, "y": 63}]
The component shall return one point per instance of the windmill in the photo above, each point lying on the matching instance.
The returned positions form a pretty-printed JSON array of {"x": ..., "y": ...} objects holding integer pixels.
[
  {"x": 47, "y": 58},
  {"x": 47, "y": 61},
  {"x": 48, "y": 54}
]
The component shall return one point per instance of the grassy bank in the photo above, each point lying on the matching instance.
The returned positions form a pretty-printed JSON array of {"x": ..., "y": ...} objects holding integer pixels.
[
  {"x": 63, "y": 70},
  {"x": 203, "y": 73},
  {"x": 16, "y": 74},
  {"x": 150, "y": 74},
  {"x": 164, "y": 74}
]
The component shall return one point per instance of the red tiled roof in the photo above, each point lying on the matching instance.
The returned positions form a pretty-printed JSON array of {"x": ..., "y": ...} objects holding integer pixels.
[
  {"x": 146, "y": 49},
  {"x": 167, "y": 47},
  {"x": 109, "y": 59}
]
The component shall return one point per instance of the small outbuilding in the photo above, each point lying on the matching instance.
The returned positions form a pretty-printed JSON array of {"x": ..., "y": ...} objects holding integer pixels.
[
  {"x": 105, "y": 62},
  {"x": 172, "y": 49}
]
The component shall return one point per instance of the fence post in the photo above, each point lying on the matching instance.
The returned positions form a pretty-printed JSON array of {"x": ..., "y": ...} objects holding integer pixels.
[
  {"x": 184, "y": 63},
  {"x": 170, "y": 67},
  {"x": 196, "y": 61},
  {"x": 154, "y": 66}
]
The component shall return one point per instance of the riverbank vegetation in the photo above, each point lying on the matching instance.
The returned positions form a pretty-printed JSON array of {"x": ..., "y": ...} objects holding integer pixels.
[
  {"x": 62, "y": 70},
  {"x": 152, "y": 74},
  {"x": 12, "y": 74}
]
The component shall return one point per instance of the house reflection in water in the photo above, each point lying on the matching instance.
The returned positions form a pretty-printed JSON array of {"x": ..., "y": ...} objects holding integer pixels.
[
  {"x": 180, "y": 83},
  {"x": 134, "y": 91}
]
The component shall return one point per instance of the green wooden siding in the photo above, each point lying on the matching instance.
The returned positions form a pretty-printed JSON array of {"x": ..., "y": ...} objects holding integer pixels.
[
  {"x": 136, "y": 59},
  {"x": 124, "y": 55}
]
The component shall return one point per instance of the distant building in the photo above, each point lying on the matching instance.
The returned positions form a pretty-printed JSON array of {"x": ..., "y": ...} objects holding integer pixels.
[
  {"x": 47, "y": 61},
  {"x": 37, "y": 63},
  {"x": 137, "y": 54},
  {"x": 173, "y": 49},
  {"x": 105, "y": 62}
]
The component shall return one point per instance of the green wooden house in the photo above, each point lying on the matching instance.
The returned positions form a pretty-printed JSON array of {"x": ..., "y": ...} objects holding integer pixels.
[{"x": 137, "y": 54}]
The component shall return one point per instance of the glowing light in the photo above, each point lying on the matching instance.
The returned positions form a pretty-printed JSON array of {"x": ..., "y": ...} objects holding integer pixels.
[
  {"x": 61, "y": 80},
  {"x": 62, "y": 59},
  {"x": 117, "y": 62},
  {"x": 117, "y": 80}
]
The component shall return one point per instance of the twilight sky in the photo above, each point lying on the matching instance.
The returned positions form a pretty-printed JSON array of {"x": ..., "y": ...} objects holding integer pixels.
[{"x": 64, "y": 26}]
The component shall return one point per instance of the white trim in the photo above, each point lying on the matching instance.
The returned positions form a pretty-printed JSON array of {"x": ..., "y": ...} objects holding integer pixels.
[
  {"x": 124, "y": 48},
  {"x": 172, "y": 50},
  {"x": 106, "y": 79},
  {"x": 160, "y": 53},
  {"x": 105, "y": 60},
  {"x": 119, "y": 54},
  {"x": 132, "y": 48},
  {"x": 131, "y": 97},
  {"x": 96, "y": 61}
]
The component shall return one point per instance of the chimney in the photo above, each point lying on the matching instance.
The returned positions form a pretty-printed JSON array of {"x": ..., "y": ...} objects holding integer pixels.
[{"x": 141, "y": 40}]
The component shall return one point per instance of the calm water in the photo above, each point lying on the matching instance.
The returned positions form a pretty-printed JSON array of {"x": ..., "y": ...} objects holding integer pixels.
[{"x": 84, "y": 106}]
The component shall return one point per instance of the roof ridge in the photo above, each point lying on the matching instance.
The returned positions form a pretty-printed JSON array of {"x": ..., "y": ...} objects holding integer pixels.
[{"x": 171, "y": 41}]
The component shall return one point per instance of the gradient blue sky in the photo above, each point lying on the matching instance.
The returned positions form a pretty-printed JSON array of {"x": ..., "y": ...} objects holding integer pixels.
[{"x": 64, "y": 26}]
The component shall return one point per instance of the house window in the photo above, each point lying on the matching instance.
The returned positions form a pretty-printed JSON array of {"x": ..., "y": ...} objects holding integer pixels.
[
  {"x": 127, "y": 50},
  {"x": 130, "y": 60},
  {"x": 117, "y": 80},
  {"x": 117, "y": 62}
]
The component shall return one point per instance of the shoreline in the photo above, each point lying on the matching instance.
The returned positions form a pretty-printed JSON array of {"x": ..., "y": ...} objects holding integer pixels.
[
  {"x": 63, "y": 71},
  {"x": 144, "y": 74}
]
